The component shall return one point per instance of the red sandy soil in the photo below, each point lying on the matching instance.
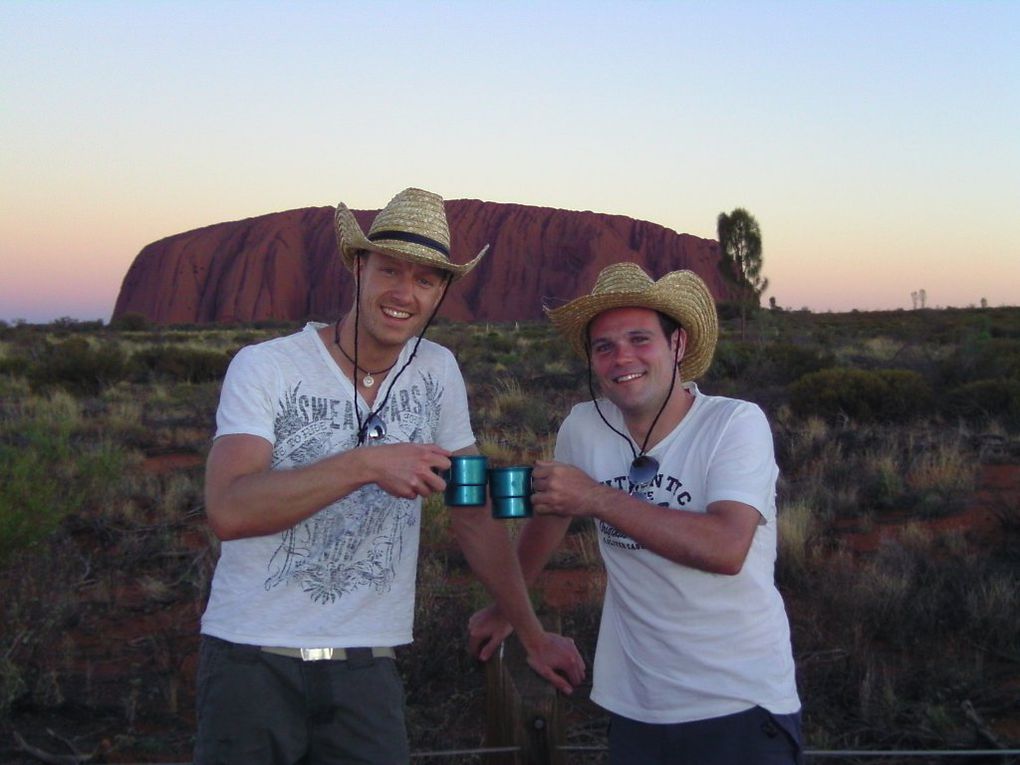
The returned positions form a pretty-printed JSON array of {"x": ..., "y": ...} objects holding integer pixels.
[
  {"x": 161, "y": 464},
  {"x": 998, "y": 489},
  {"x": 117, "y": 654}
]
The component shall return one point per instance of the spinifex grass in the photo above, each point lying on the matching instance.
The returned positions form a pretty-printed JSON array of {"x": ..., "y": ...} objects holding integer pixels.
[
  {"x": 48, "y": 471},
  {"x": 889, "y": 643}
]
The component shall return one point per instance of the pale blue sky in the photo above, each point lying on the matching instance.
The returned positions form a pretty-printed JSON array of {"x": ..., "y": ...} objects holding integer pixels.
[{"x": 876, "y": 143}]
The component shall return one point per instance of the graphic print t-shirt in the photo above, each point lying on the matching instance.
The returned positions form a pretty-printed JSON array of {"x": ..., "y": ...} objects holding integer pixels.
[{"x": 346, "y": 575}]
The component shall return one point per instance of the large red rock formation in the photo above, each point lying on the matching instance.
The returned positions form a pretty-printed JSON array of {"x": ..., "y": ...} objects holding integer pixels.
[{"x": 287, "y": 265}]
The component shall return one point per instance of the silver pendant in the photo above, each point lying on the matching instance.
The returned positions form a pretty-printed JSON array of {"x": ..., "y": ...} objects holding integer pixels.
[{"x": 368, "y": 381}]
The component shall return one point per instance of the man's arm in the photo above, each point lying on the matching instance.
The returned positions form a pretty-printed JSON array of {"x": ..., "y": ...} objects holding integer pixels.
[
  {"x": 487, "y": 547},
  {"x": 245, "y": 498},
  {"x": 488, "y": 627},
  {"x": 715, "y": 541}
]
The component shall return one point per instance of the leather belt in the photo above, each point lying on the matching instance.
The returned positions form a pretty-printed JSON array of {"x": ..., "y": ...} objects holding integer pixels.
[{"x": 331, "y": 654}]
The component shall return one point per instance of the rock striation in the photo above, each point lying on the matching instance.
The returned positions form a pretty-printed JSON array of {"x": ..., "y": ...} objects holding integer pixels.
[{"x": 286, "y": 265}]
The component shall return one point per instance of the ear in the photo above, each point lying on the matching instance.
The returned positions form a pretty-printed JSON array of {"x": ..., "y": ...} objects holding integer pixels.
[
  {"x": 678, "y": 342},
  {"x": 360, "y": 260},
  {"x": 443, "y": 288}
]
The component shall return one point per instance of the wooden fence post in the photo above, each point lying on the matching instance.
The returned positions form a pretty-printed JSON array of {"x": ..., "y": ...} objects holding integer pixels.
[{"x": 522, "y": 710}]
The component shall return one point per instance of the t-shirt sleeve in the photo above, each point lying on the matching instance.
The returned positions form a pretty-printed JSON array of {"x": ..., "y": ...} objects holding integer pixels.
[
  {"x": 454, "y": 430},
  {"x": 564, "y": 451},
  {"x": 247, "y": 399},
  {"x": 743, "y": 467}
]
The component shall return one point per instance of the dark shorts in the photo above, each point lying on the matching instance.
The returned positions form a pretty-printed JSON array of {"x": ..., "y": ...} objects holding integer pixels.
[
  {"x": 257, "y": 708},
  {"x": 754, "y": 737}
]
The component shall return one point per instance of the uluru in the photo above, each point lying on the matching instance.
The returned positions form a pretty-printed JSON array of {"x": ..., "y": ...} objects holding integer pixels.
[{"x": 286, "y": 265}]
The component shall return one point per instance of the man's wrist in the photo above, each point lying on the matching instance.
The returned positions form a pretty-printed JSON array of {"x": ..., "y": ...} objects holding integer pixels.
[
  {"x": 602, "y": 502},
  {"x": 531, "y": 635}
]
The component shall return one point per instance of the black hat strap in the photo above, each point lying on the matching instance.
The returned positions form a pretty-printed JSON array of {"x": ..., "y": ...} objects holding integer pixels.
[
  {"x": 648, "y": 435},
  {"x": 411, "y": 238}
]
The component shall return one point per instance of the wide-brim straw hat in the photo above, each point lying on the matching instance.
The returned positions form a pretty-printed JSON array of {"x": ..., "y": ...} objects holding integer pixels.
[
  {"x": 411, "y": 227},
  {"x": 681, "y": 295}
]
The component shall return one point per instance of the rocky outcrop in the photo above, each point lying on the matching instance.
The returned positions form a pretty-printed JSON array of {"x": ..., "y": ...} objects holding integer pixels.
[{"x": 286, "y": 265}]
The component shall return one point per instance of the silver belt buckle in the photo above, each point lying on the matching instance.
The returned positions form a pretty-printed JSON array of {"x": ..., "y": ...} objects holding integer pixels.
[{"x": 316, "y": 654}]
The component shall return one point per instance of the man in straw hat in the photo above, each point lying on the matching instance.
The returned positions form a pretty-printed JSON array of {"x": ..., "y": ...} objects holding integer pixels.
[
  {"x": 326, "y": 442},
  {"x": 693, "y": 660}
]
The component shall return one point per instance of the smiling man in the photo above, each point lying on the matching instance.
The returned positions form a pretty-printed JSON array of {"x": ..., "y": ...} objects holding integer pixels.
[
  {"x": 693, "y": 660},
  {"x": 326, "y": 442}
]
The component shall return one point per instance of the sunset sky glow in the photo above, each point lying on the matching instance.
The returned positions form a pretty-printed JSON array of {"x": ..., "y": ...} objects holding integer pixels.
[{"x": 877, "y": 143}]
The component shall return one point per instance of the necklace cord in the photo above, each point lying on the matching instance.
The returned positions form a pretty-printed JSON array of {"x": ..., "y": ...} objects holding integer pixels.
[{"x": 336, "y": 340}]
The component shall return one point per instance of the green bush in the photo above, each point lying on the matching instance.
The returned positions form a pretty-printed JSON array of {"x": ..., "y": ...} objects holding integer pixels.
[
  {"x": 986, "y": 400},
  {"x": 16, "y": 366},
  {"x": 130, "y": 322},
  {"x": 192, "y": 365},
  {"x": 765, "y": 364},
  {"x": 77, "y": 366},
  {"x": 982, "y": 358},
  {"x": 732, "y": 359},
  {"x": 48, "y": 473},
  {"x": 782, "y": 363},
  {"x": 894, "y": 395}
]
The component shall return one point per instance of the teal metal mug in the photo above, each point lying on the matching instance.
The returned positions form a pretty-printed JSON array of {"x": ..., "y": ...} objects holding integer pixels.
[
  {"x": 511, "y": 491},
  {"x": 466, "y": 480}
]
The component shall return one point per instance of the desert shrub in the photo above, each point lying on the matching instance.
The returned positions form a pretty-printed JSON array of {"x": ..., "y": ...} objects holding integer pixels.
[
  {"x": 894, "y": 636},
  {"x": 445, "y": 686},
  {"x": 985, "y": 401},
  {"x": 180, "y": 364},
  {"x": 49, "y": 472},
  {"x": 77, "y": 366},
  {"x": 727, "y": 310},
  {"x": 982, "y": 358},
  {"x": 860, "y": 471},
  {"x": 775, "y": 363},
  {"x": 67, "y": 324},
  {"x": 131, "y": 321},
  {"x": 732, "y": 359},
  {"x": 513, "y": 408},
  {"x": 939, "y": 478},
  {"x": 16, "y": 366},
  {"x": 863, "y": 395},
  {"x": 881, "y": 482},
  {"x": 498, "y": 342},
  {"x": 782, "y": 363},
  {"x": 991, "y": 607},
  {"x": 798, "y": 540}
]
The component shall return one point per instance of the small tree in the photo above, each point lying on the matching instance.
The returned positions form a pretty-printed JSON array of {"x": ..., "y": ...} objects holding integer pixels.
[{"x": 740, "y": 260}]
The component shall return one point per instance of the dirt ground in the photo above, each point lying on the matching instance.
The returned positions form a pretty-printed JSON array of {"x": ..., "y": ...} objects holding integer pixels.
[{"x": 126, "y": 656}]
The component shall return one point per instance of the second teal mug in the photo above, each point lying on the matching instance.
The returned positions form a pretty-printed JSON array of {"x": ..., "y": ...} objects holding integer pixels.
[{"x": 510, "y": 488}]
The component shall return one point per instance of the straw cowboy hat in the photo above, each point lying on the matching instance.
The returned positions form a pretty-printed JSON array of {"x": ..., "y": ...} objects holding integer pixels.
[
  {"x": 411, "y": 227},
  {"x": 681, "y": 295}
]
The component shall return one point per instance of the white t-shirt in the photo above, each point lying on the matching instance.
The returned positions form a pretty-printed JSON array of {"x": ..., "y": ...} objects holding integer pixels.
[
  {"x": 345, "y": 576},
  {"x": 677, "y": 644}
]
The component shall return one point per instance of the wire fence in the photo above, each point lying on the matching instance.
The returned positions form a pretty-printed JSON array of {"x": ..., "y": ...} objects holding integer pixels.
[
  {"x": 524, "y": 726},
  {"x": 809, "y": 754}
]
